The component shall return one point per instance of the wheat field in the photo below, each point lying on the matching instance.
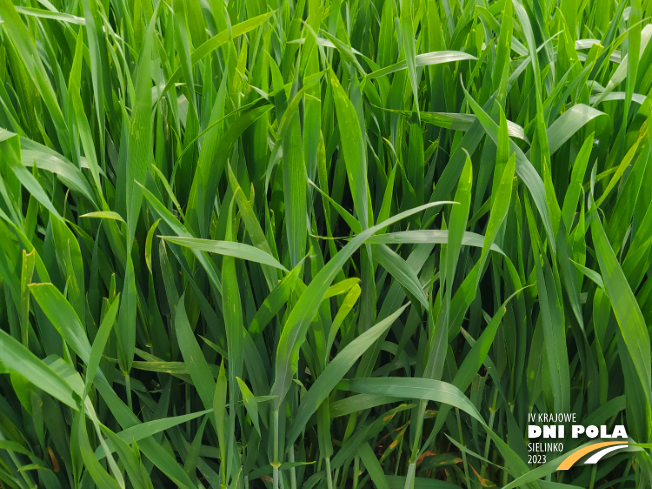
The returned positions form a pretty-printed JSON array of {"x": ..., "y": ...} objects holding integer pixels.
[{"x": 323, "y": 243}]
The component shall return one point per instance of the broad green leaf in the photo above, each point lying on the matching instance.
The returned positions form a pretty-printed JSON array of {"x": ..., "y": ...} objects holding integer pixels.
[
  {"x": 415, "y": 388},
  {"x": 373, "y": 467},
  {"x": 630, "y": 320},
  {"x": 63, "y": 318},
  {"x": 569, "y": 123},
  {"x": 250, "y": 402},
  {"x": 426, "y": 59},
  {"x": 17, "y": 358},
  {"x": 101, "y": 338},
  {"x": 226, "y": 248},
  {"x": 193, "y": 357},
  {"x": 353, "y": 148},
  {"x": 104, "y": 215}
]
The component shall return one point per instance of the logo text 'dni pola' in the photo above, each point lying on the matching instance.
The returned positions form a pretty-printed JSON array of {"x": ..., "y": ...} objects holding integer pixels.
[{"x": 554, "y": 432}]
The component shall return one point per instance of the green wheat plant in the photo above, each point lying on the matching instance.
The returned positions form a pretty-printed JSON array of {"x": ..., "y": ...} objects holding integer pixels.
[{"x": 322, "y": 243}]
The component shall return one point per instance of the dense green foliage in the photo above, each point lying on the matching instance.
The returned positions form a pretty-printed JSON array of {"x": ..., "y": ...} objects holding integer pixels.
[{"x": 321, "y": 243}]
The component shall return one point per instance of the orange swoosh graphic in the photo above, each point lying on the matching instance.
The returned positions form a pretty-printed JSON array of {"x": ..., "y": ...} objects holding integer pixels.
[{"x": 568, "y": 462}]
